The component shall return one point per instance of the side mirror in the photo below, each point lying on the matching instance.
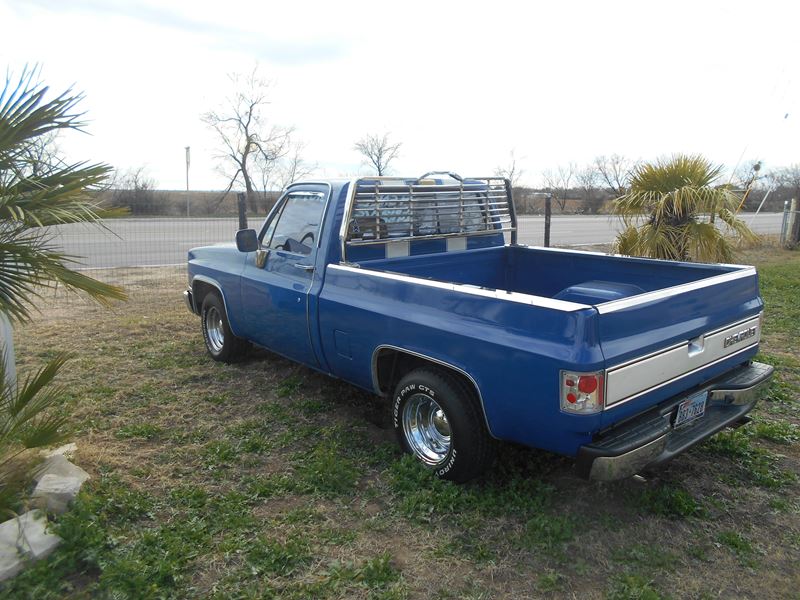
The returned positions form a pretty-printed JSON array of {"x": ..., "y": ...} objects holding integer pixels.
[{"x": 247, "y": 240}]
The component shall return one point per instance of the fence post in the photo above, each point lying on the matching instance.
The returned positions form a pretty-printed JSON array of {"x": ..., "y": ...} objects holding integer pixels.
[
  {"x": 7, "y": 349},
  {"x": 785, "y": 222},
  {"x": 794, "y": 225},
  {"x": 547, "y": 211},
  {"x": 241, "y": 202}
]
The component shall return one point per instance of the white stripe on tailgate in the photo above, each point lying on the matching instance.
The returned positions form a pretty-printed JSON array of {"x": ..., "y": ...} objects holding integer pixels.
[{"x": 631, "y": 379}]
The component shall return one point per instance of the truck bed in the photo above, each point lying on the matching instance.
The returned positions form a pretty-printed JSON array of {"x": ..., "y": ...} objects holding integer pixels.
[
  {"x": 659, "y": 326},
  {"x": 584, "y": 277}
]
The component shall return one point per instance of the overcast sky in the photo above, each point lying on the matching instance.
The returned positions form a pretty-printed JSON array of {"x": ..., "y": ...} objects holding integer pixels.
[{"x": 459, "y": 84}]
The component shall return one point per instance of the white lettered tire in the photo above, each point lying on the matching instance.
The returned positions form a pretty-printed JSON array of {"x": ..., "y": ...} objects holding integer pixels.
[{"x": 437, "y": 417}]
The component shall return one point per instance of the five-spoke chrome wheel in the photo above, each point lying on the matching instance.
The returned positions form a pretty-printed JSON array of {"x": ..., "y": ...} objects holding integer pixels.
[{"x": 426, "y": 428}]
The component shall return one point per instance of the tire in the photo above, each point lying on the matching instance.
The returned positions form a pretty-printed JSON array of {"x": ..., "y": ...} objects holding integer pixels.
[
  {"x": 221, "y": 344},
  {"x": 438, "y": 419}
]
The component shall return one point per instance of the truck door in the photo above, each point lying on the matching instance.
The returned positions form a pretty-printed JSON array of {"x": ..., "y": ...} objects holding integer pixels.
[{"x": 275, "y": 295}]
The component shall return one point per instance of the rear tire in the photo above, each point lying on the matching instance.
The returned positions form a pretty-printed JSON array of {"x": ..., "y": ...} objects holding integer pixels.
[
  {"x": 221, "y": 344},
  {"x": 437, "y": 418}
]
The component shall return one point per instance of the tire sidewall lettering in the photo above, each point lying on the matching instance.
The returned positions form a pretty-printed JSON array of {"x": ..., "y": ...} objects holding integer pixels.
[
  {"x": 450, "y": 462},
  {"x": 398, "y": 401},
  {"x": 397, "y": 406}
]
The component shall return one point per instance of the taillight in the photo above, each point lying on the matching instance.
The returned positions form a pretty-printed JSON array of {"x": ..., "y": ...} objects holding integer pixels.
[{"x": 581, "y": 393}]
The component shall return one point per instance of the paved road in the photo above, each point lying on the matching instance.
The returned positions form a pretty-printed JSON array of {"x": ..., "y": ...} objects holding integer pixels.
[{"x": 155, "y": 242}]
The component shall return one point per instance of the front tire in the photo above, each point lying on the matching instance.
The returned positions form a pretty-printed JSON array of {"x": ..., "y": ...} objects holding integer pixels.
[
  {"x": 221, "y": 344},
  {"x": 437, "y": 418}
]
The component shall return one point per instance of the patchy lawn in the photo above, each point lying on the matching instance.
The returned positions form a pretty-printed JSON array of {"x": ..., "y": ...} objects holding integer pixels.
[{"x": 265, "y": 479}]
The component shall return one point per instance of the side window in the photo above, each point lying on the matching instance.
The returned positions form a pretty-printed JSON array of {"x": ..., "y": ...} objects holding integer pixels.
[{"x": 297, "y": 226}]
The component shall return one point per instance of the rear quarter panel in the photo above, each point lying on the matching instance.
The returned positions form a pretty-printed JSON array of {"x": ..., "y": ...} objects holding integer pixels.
[{"x": 513, "y": 351}]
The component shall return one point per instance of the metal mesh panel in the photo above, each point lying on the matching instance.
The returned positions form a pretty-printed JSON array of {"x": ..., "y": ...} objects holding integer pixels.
[{"x": 399, "y": 210}]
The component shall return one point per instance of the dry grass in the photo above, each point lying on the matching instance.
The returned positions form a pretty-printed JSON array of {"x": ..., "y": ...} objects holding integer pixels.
[{"x": 266, "y": 479}]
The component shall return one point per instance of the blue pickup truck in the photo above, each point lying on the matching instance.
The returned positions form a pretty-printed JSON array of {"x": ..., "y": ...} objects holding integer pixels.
[{"x": 416, "y": 289}]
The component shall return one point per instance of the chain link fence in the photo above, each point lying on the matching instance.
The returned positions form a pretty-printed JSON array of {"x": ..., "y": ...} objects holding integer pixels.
[{"x": 145, "y": 251}]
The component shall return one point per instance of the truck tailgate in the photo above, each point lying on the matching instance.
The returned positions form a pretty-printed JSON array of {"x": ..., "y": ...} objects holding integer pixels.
[{"x": 658, "y": 343}]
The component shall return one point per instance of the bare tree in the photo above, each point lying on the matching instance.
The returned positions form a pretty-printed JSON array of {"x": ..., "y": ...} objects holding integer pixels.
[
  {"x": 615, "y": 171},
  {"x": 135, "y": 190},
  {"x": 43, "y": 154},
  {"x": 787, "y": 178},
  {"x": 510, "y": 171},
  {"x": 587, "y": 179},
  {"x": 747, "y": 174},
  {"x": 378, "y": 151},
  {"x": 559, "y": 182},
  {"x": 295, "y": 167},
  {"x": 251, "y": 146}
]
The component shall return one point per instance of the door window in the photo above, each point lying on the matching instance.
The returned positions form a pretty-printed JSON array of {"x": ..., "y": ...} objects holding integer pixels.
[{"x": 298, "y": 223}]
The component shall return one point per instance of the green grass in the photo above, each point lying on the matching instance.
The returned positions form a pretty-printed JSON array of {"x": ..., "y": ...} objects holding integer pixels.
[
  {"x": 755, "y": 463},
  {"x": 632, "y": 587},
  {"x": 270, "y": 557},
  {"x": 266, "y": 480},
  {"x": 669, "y": 500},
  {"x": 734, "y": 540},
  {"x": 139, "y": 430}
]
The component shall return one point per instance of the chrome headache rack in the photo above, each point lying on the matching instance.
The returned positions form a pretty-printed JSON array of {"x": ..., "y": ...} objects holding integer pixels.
[{"x": 397, "y": 209}]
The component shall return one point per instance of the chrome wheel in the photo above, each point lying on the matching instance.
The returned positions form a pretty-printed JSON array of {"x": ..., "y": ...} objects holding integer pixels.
[
  {"x": 215, "y": 334},
  {"x": 426, "y": 429}
]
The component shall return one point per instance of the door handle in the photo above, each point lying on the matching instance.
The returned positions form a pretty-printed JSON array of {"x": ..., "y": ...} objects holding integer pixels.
[{"x": 307, "y": 268}]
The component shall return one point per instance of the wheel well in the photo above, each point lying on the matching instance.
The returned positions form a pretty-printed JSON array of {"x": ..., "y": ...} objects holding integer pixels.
[
  {"x": 391, "y": 364},
  {"x": 200, "y": 290}
]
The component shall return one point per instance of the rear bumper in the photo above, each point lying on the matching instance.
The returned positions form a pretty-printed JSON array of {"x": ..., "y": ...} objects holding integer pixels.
[
  {"x": 188, "y": 298},
  {"x": 650, "y": 439}
]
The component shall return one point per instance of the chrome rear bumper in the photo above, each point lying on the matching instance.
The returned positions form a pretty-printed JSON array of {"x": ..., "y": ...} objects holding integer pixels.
[{"x": 650, "y": 438}]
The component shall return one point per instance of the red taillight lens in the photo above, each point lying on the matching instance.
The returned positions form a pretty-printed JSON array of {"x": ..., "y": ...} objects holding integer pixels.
[
  {"x": 587, "y": 384},
  {"x": 581, "y": 393}
]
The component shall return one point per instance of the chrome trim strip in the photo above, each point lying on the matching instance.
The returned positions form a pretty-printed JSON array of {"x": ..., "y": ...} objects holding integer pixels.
[
  {"x": 682, "y": 344},
  {"x": 568, "y": 250},
  {"x": 679, "y": 377},
  {"x": 611, "y": 468},
  {"x": 376, "y": 386},
  {"x": 616, "y": 305},
  {"x": 539, "y": 301}
]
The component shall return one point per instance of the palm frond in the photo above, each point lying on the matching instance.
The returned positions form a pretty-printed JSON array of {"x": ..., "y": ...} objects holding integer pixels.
[
  {"x": 25, "y": 116},
  {"x": 56, "y": 197},
  {"x": 29, "y": 263},
  {"x": 667, "y": 201},
  {"x": 35, "y": 195},
  {"x": 706, "y": 243},
  {"x": 26, "y": 410}
]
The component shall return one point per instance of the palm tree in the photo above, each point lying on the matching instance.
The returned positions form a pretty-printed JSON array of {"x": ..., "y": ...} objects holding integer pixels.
[
  {"x": 670, "y": 209},
  {"x": 37, "y": 190}
]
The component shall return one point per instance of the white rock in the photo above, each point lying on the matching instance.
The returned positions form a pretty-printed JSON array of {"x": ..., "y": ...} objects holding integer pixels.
[
  {"x": 55, "y": 492},
  {"x": 58, "y": 465},
  {"x": 11, "y": 562},
  {"x": 22, "y": 538},
  {"x": 67, "y": 450}
]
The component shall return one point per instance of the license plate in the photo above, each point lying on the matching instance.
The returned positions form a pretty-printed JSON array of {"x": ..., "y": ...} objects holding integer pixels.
[{"x": 690, "y": 409}]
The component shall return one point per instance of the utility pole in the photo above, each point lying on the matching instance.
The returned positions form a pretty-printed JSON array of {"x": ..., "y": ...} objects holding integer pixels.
[{"x": 187, "y": 181}]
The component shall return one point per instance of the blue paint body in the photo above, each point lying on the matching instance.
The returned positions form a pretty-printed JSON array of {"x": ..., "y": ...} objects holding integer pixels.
[{"x": 334, "y": 320}]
